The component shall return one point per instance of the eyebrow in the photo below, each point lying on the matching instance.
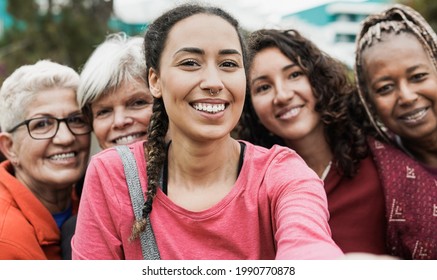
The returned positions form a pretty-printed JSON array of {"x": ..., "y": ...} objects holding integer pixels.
[
  {"x": 285, "y": 68},
  {"x": 414, "y": 67},
  {"x": 408, "y": 71},
  {"x": 202, "y": 52}
]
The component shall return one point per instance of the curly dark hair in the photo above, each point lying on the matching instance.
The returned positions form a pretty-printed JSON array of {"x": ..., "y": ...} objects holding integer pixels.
[{"x": 336, "y": 100}]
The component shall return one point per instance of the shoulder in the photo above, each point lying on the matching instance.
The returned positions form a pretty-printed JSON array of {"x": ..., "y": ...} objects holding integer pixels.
[
  {"x": 390, "y": 156},
  {"x": 276, "y": 152},
  {"x": 105, "y": 177},
  {"x": 111, "y": 158},
  {"x": 278, "y": 164},
  {"x": 17, "y": 236}
]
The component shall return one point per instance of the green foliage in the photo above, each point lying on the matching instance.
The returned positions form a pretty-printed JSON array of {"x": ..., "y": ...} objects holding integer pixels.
[{"x": 66, "y": 33}]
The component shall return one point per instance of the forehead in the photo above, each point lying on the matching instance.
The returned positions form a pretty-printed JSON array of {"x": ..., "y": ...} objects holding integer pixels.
[
  {"x": 53, "y": 101},
  {"x": 394, "y": 46},
  {"x": 269, "y": 59},
  {"x": 203, "y": 29}
]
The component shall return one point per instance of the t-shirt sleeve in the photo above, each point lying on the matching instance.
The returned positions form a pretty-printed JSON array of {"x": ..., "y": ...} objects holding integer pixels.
[
  {"x": 299, "y": 211},
  {"x": 96, "y": 235}
]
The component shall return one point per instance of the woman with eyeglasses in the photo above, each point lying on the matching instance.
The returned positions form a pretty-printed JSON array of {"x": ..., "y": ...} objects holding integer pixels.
[{"x": 46, "y": 141}]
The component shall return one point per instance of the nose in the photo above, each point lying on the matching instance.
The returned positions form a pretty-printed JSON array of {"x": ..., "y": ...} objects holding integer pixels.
[
  {"x": 211, "y": 80},
  {"x": 121, "y": 119},
  {"x": 63, "y": 136},
  {"x": 407, "y": 95},
  {"x": 283, "y": 94}
]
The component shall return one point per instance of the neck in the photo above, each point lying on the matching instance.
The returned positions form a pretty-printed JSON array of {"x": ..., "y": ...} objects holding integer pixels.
[
  {"x": 425, "y": 151},
  {"x": 200, "y": 176},
  {"x": 315, "y": 152},
  {"x": 54, "y": 198},
  {"x": 202, "y": 164}
]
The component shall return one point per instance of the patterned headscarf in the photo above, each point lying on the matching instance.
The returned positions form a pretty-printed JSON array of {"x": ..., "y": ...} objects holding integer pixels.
[{"x": 396, "y": 19}]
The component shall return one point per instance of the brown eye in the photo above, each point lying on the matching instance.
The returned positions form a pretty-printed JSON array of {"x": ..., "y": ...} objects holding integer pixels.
[{"x": 384, "y": 89}]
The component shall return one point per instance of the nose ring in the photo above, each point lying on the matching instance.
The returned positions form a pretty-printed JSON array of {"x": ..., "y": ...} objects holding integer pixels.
[{"x": 212, "y": 92}]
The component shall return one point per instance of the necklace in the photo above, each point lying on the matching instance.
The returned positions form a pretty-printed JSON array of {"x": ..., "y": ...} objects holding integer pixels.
[{"x": 326, "y": 171}]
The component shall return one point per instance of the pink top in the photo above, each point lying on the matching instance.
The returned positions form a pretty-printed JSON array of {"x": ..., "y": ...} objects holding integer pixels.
[{"x": 277, "y": 209}]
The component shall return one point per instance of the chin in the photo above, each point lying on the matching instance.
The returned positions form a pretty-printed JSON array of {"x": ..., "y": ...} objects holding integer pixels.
[{"x": 66, "y": 178}]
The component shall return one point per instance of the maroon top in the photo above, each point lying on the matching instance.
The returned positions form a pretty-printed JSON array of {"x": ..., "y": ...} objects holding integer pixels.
[
  {"x": 411, "y": 195},
  {"x": 357, "y": 210}
]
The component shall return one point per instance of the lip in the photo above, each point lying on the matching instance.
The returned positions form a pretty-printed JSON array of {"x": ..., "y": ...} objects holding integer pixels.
[
  {"x": 289, "y": 112},
  {"x": 414, "y": 116},
  {"x": 128, "y": 138}
]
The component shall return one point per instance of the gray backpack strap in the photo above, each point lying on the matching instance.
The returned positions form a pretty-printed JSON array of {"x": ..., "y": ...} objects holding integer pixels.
[{"x": 147, "y": 237}]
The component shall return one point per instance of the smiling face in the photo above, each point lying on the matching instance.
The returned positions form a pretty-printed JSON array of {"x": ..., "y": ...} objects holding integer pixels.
[
  {"x": 58, "y": 162},
  {"x": 202, "y": 54},
  {"x": 402, "y": 85},
  {"x": 122, "y": 116},
  {"x": 282, "y": 96}
]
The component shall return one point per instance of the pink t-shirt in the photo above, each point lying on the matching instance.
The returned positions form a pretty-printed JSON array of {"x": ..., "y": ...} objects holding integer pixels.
[{"x": 277, "y": 209}]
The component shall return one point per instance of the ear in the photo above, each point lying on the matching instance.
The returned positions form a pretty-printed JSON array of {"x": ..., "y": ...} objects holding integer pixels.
[
  {"x": 154, "y": 83},
  {"x": 7, "y": 147}
]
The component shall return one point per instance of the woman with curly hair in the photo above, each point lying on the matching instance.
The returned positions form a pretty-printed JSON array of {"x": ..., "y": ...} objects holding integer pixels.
[
  {"x": 396, "y": 76},
  {"x": 302, "y": 98}
]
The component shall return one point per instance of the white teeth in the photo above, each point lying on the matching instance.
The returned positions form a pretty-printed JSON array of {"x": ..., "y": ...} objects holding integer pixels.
[
  {"x": 62, "y": 156},
  {"x": 416, "y": 116},
  {"x": 126, "y": 139},
  {"x": 293, "y": 112},
  {"x": 210, "y": 108}
]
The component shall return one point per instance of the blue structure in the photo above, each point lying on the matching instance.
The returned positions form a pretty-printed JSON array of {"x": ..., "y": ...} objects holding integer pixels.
[
  {"x": 130, "y": 29},
  {"x": 333, "y": 26},
  {"x": 321, "y": 15},
  {"x": 6, "y": 20}
]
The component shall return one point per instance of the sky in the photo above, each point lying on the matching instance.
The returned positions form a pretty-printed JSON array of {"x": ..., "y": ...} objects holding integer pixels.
[{"x": 252, "y": 14}]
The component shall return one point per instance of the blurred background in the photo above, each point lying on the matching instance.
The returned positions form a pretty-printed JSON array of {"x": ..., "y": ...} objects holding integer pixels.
[{"x": 67, "y": 31}]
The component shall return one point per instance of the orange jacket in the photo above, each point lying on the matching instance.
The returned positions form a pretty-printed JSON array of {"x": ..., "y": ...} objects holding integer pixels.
[{"x": 27, "y": 229}]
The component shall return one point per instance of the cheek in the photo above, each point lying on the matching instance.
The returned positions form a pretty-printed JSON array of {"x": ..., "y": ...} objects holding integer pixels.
[
  {"x": 236, "y": 83},
  {"x": 263, "y": 108},
  {"x": 32, "y": 151},
  {"x": 384, "y": 106},
  {"x": 259, "y": 103},
  {"x": 84, "y": 140},
  {"x": 146, "y": 115},
  {"x": 101, "y": 129}
]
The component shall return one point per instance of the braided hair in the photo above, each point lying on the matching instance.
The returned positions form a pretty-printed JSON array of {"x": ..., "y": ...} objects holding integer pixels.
[
  {"x": 332, "y": 89},
  {"x": 154, "y": 44},
  {"x": 394, "y": 20}
]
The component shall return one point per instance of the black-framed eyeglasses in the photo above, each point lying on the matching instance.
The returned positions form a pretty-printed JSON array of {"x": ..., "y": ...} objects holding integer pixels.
[{"x": 47, "y": 127}]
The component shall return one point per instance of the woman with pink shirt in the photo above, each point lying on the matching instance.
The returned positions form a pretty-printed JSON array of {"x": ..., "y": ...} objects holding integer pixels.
[{"x": 213, "y": 197}]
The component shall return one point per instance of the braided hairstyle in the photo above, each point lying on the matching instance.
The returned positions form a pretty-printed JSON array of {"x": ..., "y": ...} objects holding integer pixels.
[
  {"x": 332, "y": 88},
  {"x": 394, "y": 20},
  {"x": 154, "y": 44}
]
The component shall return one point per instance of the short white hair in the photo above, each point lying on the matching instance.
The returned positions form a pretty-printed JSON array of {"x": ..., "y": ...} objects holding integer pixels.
[
  {"x": 118, "y": 59},
  {"x": 21, "y": 87}
]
